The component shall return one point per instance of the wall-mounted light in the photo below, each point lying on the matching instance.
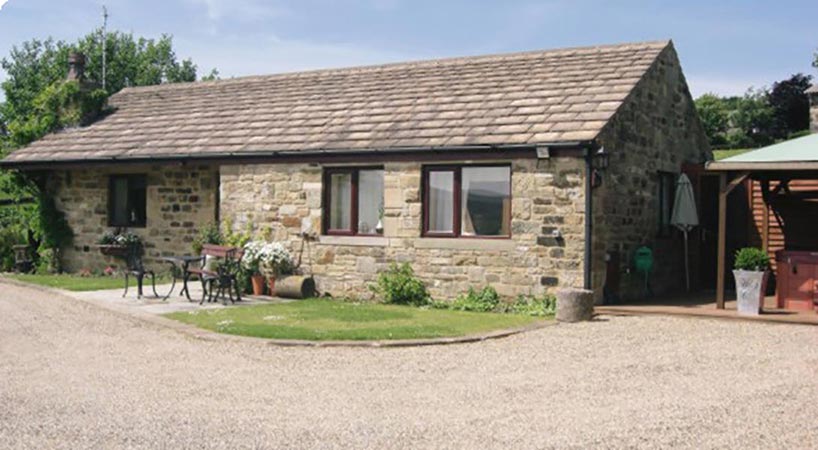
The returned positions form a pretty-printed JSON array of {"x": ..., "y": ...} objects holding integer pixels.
[{"x": 601, "y": 159}]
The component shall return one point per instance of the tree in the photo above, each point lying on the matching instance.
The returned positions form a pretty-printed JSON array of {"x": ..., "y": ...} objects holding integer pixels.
[
  {"x": 751, "y": 120},
  {"x": 715, "y": 117},
  {"x": 36, "y": 66},
  {"x": 790, "y": 105},
  {"x": 40, "y": 100}
]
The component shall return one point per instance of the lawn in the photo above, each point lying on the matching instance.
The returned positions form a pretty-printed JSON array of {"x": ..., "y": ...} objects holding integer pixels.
[
  {"x": 318, "y": 320},
  {"x": 74, "y": 282}
]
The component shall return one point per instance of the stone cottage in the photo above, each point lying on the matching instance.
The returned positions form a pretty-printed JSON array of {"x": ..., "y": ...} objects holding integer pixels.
[{"x": 525, "y": 171}]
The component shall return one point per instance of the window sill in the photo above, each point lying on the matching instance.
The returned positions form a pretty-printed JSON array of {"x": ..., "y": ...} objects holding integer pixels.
[
  {"x": 466, "y": 244},
  {"x": 354, "y": 241}
]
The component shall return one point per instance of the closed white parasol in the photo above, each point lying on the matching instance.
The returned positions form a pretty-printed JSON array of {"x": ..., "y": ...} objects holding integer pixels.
[{"x": 684, "y": 215}]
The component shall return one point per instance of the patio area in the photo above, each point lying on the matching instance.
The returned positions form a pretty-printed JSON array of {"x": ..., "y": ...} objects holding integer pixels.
[
  {"x": 705, "y": 305},
  {"x": 112, "y": 298}
]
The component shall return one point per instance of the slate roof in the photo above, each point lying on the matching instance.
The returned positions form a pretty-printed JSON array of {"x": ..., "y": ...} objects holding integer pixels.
[{"x": 536, "y": 97}]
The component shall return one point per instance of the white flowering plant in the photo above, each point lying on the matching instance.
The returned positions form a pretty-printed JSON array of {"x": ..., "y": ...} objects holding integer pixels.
[
  {"x": 276, "y": 258},
  {"x": 251, "y": 260},
  {"x": 260, "y": 256}
]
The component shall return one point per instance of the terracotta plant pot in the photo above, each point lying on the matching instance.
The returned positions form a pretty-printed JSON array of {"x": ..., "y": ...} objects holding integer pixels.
[
  {"x": 258, "y": 284},
  {"x": 271, "y": 283}
]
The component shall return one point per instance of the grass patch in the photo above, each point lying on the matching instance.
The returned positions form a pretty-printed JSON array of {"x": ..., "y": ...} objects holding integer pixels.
[
  {"x": 718, "y": 155},
  {"x": 318, "y": 320},
  {"x": 74, "y": 282}
]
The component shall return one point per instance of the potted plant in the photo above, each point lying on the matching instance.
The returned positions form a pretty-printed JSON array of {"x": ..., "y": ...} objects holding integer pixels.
[
  {"x": 251, "y": 262},
  {"x": 277, "y": 261},
  {"x": 119, "y": 244},
  {"x": 750, "y": 272}
]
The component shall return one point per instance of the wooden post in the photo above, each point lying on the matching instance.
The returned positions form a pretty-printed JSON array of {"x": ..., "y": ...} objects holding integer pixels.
[
  {"x": 765, "y": 218},
  {"x": 724, "y": 190},
  {"x": 722, "y": 248}
]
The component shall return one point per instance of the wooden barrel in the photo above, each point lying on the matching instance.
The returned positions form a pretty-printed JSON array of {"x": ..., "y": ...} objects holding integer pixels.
[{"x": 295, "y": 286}]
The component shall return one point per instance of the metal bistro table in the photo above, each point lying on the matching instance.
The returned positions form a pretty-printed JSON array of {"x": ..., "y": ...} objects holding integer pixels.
[{"x": 181, "y": 263}]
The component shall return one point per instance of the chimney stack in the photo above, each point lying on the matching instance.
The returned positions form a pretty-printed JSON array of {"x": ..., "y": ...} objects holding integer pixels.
[
  {"x": 76, "y": 66},
  {"x": 813, "y": 108}
]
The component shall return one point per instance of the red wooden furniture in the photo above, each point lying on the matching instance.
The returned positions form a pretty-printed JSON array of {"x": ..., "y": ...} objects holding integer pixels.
[{"x": 797, "y": 280}]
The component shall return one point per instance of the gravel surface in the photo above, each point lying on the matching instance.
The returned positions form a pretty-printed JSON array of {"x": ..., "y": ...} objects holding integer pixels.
[{"x": 73, "y": 375}]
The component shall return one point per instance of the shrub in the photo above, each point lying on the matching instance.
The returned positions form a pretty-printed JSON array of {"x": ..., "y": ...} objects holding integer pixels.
[
  {"x": 544, "y": 305},
  {"x": 399, "y": 286},
  {"x": 485, "y": 300},
  {"x": 209, "y": 234},
  {"x": 751, "y": 258},
  {"x": 9, "y": 237}
]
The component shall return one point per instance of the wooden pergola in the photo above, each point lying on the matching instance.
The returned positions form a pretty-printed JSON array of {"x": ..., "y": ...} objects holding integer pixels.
[{"x": 784, "y": 162}]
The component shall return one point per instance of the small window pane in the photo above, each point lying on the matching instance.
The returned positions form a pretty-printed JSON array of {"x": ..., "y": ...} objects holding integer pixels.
[
  {"x": 340, "y": 201},
  {"x": 486, "y": 201},
  {"x": 119, "y": 205},
  {"x": 370, "y": 200},
  {"x": 137, "y": 200},
  {"x": 441, "y": 202}
]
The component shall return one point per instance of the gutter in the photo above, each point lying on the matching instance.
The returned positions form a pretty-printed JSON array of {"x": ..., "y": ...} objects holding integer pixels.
[{"x": 289, "y": 156}]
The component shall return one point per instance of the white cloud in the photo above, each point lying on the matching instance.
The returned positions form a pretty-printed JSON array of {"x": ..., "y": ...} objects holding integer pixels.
[
  {"x": 3, "y": 2},
  {"x": 252, "y": 55},
  {"x": 243, "y": 10}
]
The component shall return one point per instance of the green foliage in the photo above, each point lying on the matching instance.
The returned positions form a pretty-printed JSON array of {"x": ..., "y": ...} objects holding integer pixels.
[
  {"x": 752, "y": 121},
  {"x": 543, "y": 305},
  {"x": 211, "y": 234},
  {"x": 751, "y": 258},
  {"x": 39, "y": 100},
  {"x": 484, "y": 300},
  {"x": 790, "y": 105},
  {"x": 61, "y": 105},
  {"x": 399, "y": 286},
  {"x": 760, "y": 117},
  {"x": 9, "y": 237},
  {"x": 52, "y": 228},
  {"x": 234, "y": 238},
  {"x": 715, "y": 117}
]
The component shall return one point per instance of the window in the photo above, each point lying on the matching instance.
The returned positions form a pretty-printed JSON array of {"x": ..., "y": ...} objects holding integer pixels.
[
  {"x": 467, "y": 201},
  {"x": 127, "y": 198},
  {"x": 353, "y": 201},
  {"x": 667, "y": 192}
]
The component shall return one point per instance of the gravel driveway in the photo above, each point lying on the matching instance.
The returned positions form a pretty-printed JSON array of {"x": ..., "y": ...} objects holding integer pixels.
[{"x": 76, "y": 376}]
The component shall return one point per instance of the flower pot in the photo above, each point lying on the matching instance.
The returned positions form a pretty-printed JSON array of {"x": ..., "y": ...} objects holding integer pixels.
[
  {"x": 114, "y": 250},
  {"x": 751, "y": 286},
  {"x": 258, "y": 284},
  {"x": 271, "y": 284}
]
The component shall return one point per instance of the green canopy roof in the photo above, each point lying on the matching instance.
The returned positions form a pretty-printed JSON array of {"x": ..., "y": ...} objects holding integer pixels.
[{"x": 800, "y": 153}]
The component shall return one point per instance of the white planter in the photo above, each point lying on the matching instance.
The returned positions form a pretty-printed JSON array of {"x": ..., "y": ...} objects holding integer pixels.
[{"x": 750, "y": 288}]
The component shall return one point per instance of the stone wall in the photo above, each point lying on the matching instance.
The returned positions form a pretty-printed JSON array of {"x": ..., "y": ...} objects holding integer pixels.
[
  {"x": 656, "y": 129},
  {"x": 545, "y": 195},
  {"x": 813, "y": 111},
  {"x": 179, "y": 201}
]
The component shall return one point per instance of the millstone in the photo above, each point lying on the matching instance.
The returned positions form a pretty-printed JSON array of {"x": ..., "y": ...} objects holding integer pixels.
[{"x": 574, "y": 305}]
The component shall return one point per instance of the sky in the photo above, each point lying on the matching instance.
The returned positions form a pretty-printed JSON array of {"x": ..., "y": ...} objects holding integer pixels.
[{"x": 725, "y": 46}]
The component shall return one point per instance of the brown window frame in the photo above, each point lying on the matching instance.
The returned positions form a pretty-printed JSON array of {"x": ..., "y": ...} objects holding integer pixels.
[
  {"x": 130, "y": 179},
  {"x": 326, "y": 201},
  {"x": 457, "y": 169}
]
